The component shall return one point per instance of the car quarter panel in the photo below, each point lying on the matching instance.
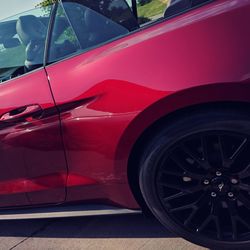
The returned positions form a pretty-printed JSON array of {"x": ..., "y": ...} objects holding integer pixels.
[{"x": 198, "y": 57}]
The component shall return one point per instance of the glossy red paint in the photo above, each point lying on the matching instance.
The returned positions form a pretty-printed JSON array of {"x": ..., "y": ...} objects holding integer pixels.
[
  {"x": 109, "y": 96},
  {"x": 43, "y": 183},
  {"x": 201, "y": 56},
  {"x": 31, "y": 147}
]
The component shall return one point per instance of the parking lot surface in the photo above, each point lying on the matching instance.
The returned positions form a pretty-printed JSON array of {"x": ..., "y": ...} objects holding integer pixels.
[{"x": 99, "y": 232}]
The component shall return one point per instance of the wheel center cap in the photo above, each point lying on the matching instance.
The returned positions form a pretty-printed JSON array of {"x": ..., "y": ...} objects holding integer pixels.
[{"x": 220, "y": 185}]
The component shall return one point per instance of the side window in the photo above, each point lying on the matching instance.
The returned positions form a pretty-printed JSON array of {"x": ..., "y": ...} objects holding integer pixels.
[
  {"x": 22, "y": 42},
  {"x": 152, "y": 10},
  {"x": 81, "y": 25},
  {"x": 64, "y": 41}
]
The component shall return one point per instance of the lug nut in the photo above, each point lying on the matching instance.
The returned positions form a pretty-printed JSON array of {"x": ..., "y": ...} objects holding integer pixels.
[
  {"x": 186, "y": 179},
  {"x": 206, "y": 182},
  {"x": 234, "y": 181},
  {"x": 213, "y": 194},
  {"x": 230, "y": 194},
  {"x": 218, "y": 173}
]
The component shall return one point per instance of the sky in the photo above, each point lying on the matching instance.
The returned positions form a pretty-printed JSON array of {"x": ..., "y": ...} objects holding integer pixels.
[
  {"x": 129, "y": 2},
  {"x": 11, "y": 7}
]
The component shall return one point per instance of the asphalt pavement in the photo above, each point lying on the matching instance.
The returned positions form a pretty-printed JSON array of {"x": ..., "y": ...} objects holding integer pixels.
[{"x": 130, "y": 232}]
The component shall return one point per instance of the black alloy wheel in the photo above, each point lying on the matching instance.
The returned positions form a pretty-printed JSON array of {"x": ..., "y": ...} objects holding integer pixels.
[{"x": 195, "y": 177}]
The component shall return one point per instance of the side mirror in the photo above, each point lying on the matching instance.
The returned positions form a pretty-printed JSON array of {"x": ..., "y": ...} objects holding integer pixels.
[{"x": 11, "y": 43}]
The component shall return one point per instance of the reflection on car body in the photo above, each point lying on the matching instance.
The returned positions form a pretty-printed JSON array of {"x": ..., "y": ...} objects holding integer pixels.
[{"x": 120, "y": 106}]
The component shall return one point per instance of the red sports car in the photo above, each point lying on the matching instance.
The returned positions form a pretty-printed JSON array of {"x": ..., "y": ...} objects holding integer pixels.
[{"x": 115, "y": 106}]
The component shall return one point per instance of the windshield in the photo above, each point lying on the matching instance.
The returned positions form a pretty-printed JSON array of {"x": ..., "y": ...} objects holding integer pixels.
[{"x": 22, "y": 38}]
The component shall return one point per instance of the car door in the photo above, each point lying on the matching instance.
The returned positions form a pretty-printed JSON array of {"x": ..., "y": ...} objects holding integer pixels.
[
  {"x": 33, "y": 167},
  {"x": 79, "y": 80}
]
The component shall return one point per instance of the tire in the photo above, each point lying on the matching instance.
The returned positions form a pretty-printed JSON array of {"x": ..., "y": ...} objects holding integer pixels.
[{"x": 195, "y": 177}]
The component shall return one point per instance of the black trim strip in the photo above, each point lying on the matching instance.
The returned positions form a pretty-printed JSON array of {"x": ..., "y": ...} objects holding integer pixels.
[
  {"x": 49, "y": 33},
  {"x": 134, "y": 7}
]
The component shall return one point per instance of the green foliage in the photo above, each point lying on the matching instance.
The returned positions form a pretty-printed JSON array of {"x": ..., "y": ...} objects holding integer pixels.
[
  {"x": 151, "y": 9},
  {"x": 46, "y": 3}
]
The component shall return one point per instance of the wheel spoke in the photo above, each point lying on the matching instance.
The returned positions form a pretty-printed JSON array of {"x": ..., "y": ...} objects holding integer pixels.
[
  {"x": 174, "y": 196},
  {"x": 234, "y": 227},
  {"x": 212, "y": 217},
  {"x": 225, "y": 162},
  {"x": 185, "y": 168},
  {"x": 186, "y": 173},
  {"x": 191, "y": 216},
  {"x": 243, "y": 222},
  {"x": 197, "y": 206},
  {"x": 215, "y": 214},
  {"x": 245, "y": 172},
  {"x": 232, "y": 209},
  {"x": 245, "y": 187},
  {"x": 235, "y": 217},
  {"x": 181, "y": 187},
  {"x": 204, "y": 148},
  {"x": 241, "y": 197},
  {"x": 218, "y": 227},
  {"x": 237, "y": 152},
  {"x": 184, "y": 207},
  {"x": 204, "y": 164},
  {"x": 168, "y": 172},
  {"x": 173, "y": 186},
  {"x": 194, "y": 205},
  {"x": 204, "y": 224}
]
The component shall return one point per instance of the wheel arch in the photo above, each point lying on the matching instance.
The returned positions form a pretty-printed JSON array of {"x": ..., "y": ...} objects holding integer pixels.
[{"x": 166, "y": 110}]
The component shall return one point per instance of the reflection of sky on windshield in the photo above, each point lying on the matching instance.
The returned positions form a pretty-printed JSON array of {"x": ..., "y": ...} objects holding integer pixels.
[
  {"x": 12, "y": 7},
  {"x": 129, "y": 2}
]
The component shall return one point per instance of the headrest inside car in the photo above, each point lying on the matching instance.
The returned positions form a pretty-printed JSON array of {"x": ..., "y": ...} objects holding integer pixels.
[{"x": 30, "y": 28}]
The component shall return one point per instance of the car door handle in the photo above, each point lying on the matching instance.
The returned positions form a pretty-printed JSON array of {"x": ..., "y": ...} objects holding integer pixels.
[{"x": 22, "y": 112}]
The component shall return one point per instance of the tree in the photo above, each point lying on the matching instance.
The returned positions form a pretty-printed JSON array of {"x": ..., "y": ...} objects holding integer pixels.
[{"x": 46, "y": 3}]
